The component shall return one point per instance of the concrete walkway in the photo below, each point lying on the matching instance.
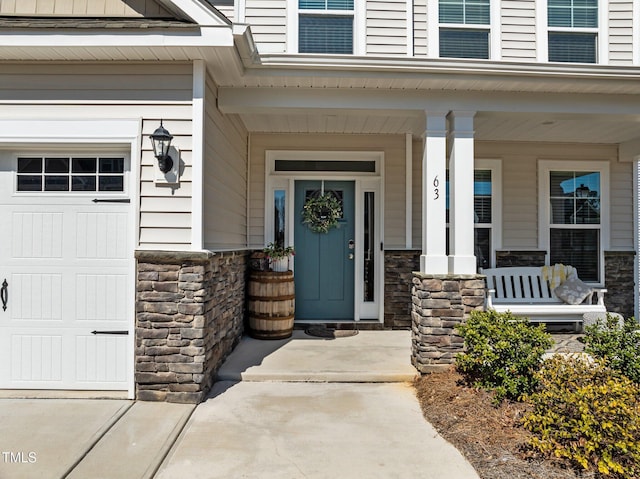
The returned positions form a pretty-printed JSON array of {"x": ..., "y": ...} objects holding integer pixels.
[
  {"x": 301, "y": 407},
  {"x": 315, "y": 408},
  {"x": 86, "y": 438}
]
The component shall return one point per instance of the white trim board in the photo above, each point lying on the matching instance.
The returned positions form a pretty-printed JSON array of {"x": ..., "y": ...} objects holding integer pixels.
[{"x": 364, "y": 182}]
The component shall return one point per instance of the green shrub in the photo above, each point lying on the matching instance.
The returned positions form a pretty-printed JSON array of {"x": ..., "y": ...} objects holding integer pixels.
[
  {"x": 588, "y": 413},
  {"x": 618, "y": 345},
  {"x": 502, "y": 352}
]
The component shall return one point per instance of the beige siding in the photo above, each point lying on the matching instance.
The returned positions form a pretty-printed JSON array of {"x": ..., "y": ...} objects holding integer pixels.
[
  {"x": 165, "y": 212},
  {"x": 518, "y": 30},
  {"x": 225, "y": 177},
  {"x": 110, "y": 8},
  {"x": 393, "y": 147},
  {"x": 226, "y": 8},
  {"x": 91, "y": 82},
  {"x": 520, "y": 188},
  {"x": 386, "y": 22},
  {"x": 621, "y": 32},
  {"x": 420, "y": 28},
  {"x": 268, "y": 20}
]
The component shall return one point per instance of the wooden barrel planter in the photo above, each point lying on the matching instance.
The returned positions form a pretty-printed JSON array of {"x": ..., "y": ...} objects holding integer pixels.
[{"x": 271, "y": 304}]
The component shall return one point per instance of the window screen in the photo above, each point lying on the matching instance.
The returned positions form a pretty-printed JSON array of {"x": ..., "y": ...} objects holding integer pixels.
[
  {"x": 572, "y": 47},
  {"x": 462, "y": 43},
  {"x": 325, "y": 34}
]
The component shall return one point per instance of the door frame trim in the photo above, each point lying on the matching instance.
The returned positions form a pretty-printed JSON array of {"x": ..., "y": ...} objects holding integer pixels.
[{"x": 364, "y": 182}]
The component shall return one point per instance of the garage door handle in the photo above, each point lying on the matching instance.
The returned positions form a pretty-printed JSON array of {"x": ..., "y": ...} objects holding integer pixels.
[
  {"x": 4, "y": 294},
  {"x": 110, "y": 332}
]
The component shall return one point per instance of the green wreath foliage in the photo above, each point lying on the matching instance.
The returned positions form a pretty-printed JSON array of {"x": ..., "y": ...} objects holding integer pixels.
[{"x": 321, "y": 213}]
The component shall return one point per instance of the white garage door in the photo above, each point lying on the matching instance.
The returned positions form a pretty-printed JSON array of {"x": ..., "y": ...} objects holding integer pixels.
[{"x": 65, "y": 272}]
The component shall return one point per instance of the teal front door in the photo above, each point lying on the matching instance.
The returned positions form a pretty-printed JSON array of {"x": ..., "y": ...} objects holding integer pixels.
[{"x": 324, "y": 262}]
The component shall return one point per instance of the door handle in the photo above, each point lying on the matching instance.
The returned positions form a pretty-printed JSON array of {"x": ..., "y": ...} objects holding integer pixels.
[{"x": 4, "y": 294}]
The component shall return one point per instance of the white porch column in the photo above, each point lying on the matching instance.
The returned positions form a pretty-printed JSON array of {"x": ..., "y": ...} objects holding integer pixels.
[
  {"x": 434, "y": 174},
  {"x": 461, "y": 210}
]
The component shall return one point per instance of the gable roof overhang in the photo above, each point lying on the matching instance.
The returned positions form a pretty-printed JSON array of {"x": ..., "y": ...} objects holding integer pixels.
[{"x": 195, "y": 31}]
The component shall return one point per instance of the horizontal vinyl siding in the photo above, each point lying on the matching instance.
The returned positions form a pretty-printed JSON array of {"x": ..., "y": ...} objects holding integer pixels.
[
  {"x": 518, "y": 30},
  {"x": 386, "y": 27},
  {"x": 621, "y": 194},
  {"x": 268, "y": 20},
  {"x": 393, "y": 147},
  {"x": 225, "y": 177},
  {"x": 91, "y": 82},
  {"x": 621, "y": 32},
  {"x": 420, "y": 28},
  {"x": 520, "y": 188},
  {"x": 109, "y": 8},
  {"x": 165, "y": 211},
  {"x": 225, "y": 7}
]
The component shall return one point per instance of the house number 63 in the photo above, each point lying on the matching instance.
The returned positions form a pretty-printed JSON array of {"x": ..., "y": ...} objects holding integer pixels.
[{"x": 436, "y": 189}]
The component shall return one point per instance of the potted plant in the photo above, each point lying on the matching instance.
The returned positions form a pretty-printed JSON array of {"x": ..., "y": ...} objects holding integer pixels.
[{"x": 278, "y": 256}]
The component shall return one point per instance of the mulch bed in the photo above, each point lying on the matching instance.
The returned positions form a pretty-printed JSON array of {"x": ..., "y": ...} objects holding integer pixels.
[{"x": 489, "y": 437}]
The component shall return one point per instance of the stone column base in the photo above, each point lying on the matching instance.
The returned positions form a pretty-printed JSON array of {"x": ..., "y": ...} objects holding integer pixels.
[{"x": 439, "y": 304}]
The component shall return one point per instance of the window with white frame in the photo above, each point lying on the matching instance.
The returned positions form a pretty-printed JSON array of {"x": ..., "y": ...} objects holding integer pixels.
[
  {"x": 487, "y": 212},
  {"x": 325, "y": 26},
  {"x": 574, "y": 216},
  {"x": 464, "y": 28},
  {"x": 572, "y": 30},
  {"x": 70, "y": 174}
]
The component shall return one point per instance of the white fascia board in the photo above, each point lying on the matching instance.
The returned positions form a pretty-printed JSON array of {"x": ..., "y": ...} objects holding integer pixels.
[
  {"x": 196, "y": 11},
  {"x": 284, "y": 100},
  {"x": 298, "y": 63},
  {"x": 204, "y": 37}
]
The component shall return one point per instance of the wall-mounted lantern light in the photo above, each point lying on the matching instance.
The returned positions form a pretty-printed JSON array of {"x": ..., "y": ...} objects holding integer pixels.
[{"x": 161, "y": 141}]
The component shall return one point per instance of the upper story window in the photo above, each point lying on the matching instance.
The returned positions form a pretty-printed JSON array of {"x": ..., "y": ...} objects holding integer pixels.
[
  {"x": 573, "y": 30},
  {"x": 325, "y": 26},
  {"x": 464, "y": 28}
]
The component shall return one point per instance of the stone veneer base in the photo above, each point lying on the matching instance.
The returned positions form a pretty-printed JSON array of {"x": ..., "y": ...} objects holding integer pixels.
[
  {"x": 189, "y": 315},
  {"x": 439, "y": 304}
]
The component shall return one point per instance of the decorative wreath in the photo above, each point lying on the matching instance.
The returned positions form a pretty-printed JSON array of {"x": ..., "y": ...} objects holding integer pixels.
[{"x": 321, "y": 213}]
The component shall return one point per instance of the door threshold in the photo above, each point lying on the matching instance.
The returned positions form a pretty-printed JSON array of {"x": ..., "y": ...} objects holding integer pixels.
[{"x": 362, "y": 325}]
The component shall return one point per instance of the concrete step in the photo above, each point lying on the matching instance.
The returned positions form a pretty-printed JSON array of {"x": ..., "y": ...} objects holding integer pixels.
[{"x": 368, "y": 357}]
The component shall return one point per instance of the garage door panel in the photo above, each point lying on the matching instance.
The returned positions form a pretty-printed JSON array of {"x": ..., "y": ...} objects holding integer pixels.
[
  {"x": 35, "y": 296},
  {"x": 101, "y": 297},
  {"x": 101, "y": 235},
  {"x": 101, "y": 359},
  {"x": 36, "y": 357},
  {"x": 37, "y": 235}
]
